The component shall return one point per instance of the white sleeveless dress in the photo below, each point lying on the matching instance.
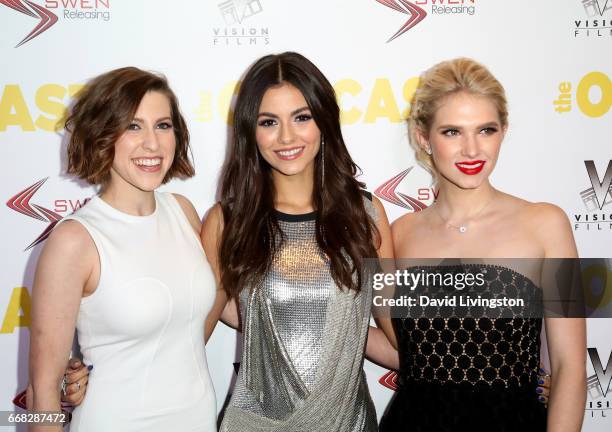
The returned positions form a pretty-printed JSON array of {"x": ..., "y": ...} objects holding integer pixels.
[{"x": 143, "y": 327}]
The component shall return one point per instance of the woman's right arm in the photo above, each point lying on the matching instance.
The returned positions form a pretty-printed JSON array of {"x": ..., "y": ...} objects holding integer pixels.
[{"x": 64, "y": 269}]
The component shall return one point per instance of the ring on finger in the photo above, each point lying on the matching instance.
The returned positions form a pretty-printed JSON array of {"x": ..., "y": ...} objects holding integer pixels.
[{"x": 64, "y": 385}]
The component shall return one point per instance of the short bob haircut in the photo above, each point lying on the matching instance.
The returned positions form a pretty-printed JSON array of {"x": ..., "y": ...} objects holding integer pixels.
[
  {"x": 102, "y": 113},
  {"x": 441, "y": 81}
]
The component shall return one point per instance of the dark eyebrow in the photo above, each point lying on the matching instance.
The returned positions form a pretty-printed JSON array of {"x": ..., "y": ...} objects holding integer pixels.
[
  {"x": 489, "y": 124},
  {"x": 139, "y": 120},
  {"x": 482, "y": 126},
  {"x": 294, "y": 112},
  {"x": 448, "y": 126}
]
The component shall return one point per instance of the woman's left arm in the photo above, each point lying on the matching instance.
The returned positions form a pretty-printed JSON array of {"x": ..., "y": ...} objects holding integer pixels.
[
  {"x": 380, "y": 345},
  {"x": 566, "y": 336}
]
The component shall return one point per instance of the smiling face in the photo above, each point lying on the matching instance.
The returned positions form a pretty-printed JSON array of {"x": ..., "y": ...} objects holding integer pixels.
[
  {"x": 287, "y": 136},
  {"x": 464, "y": 138},
  {"x": 145, "y": 151}
]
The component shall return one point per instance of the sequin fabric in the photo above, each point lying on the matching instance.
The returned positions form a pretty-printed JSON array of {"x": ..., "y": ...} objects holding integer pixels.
[
  {"x": 469, "y": 373},
  {"x": 297, "y": 291}
]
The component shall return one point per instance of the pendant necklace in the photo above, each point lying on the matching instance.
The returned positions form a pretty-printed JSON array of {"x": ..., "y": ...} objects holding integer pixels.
[{"x": 463, "y": 227}]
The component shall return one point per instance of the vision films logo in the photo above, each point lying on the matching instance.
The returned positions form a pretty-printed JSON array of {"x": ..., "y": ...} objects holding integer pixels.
[
  {"x": 416, "y": 10},
  {"x": 388, "y": 192},
  {"x": 235, "y": 33},
  {"x": 72, "y": 10},
  {"x": 598, "y": 386},
  {"x": 596, "y": 200},
  {"x": 598, "y": 22},
  {"x": 20, "y": 203}
]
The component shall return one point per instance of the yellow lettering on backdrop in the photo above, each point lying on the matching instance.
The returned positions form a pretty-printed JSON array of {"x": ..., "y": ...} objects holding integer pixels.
[
  {"x": 352, "y": 87},
  {"x": 49, "y": 99},
  {"x": 204, "y": 111},
  {"x": 410, "y": 88},
  {"x": 74, "y": 89},
  {"x": 20, "y": 301},
  {"x": 14, "y": 110},
  {"x": 602, "y": 81},
  {"x": 224, "y": 103},
  {"x": 382, "y": 103}
]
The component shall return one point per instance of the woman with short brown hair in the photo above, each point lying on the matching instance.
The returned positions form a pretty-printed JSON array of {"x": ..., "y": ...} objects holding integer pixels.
[{"x": 127, "y": 269}]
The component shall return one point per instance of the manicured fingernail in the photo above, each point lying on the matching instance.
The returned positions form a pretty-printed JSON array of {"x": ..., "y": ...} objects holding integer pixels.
[
  {"x": 542, "y": 371},
  {"x": 90, "y": 367},
  {"x": 541, "y": 398},
  {"x": 540, "y": 381},
  {"x": 539, "y": 390}
]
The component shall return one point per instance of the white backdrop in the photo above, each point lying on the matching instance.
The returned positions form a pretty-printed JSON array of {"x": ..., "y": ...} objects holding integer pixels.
[{"x": 552, "y": 56}]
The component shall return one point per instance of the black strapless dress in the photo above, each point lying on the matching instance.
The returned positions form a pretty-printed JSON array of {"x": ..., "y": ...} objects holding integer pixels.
[{"x": 468, "y": 374}]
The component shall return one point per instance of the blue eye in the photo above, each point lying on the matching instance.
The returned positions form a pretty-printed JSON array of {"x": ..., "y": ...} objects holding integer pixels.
[
  {"x": 133, "y": 126},
  {"x": 165, "y": 125}
]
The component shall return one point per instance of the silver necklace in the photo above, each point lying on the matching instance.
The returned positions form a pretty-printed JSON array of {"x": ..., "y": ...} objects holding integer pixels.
[{"x": 464, "y": 227}]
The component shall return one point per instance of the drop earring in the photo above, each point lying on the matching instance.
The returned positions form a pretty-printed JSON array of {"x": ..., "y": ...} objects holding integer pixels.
[
  {"x": 322, "y": 150},
  {"x": 428, "y": 150}
]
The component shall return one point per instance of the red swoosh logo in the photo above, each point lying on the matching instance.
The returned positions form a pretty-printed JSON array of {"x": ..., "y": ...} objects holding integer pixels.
[
  {"x": 387, "y": 192},
  {"x": 21, "y": 204},
  {"x": 417, "y": 14},
  {"x": 47, "y": 18},
  {"x": 389, "y": 380}
]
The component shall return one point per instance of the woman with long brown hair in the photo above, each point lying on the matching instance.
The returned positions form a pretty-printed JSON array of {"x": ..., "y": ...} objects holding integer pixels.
[{"x": 288, "y": 240}]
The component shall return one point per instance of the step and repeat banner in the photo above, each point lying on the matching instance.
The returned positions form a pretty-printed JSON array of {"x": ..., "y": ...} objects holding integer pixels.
[{"x": 553, "y": 57}]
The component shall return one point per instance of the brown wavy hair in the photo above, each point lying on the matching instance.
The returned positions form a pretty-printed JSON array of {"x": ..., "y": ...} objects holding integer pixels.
[
  {"x": 251, "y": 235},
  {"x": 103, "y": 111}
]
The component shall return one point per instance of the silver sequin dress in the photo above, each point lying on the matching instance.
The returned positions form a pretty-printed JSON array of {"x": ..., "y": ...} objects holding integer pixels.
[{"x": 288, "y": 358}]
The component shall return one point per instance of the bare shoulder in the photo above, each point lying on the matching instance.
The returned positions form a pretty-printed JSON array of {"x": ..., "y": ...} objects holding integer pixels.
[
  {"x": 551, "y": 227},
  {"x": 380, "y": 210},
  {"x": 70, "y": 237},
  {"x": 212, "y": 227},
  {"x": 213, "y": 218},
  {"x": 69, "y": 247},
  {"x": 543, "y": 215},
  {"x": 189, "y": 210},
  {"x": 407, "y": 223}
]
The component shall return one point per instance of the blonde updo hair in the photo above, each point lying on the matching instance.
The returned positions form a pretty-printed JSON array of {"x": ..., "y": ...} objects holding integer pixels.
[{"x": 443, "y": 80}]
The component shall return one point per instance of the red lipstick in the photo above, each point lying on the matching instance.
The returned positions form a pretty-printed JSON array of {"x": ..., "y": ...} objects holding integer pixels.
[{"x": 470, "y": 167}]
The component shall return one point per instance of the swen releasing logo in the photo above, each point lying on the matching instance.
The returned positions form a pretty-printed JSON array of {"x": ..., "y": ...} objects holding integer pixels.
[
  {"x": 598, "y": 385},
  {"x": 21, "y": 204},
  {"x": 234, "y": 12},
  {"x": 46, "y": 18},
  {"x": 595, "y": 199},
  {"x": 387, "y": 191},
  {"x": 71, "y": 10},
  {"x": 417, "y": 13},
  {"x": 596, "y": 24}
]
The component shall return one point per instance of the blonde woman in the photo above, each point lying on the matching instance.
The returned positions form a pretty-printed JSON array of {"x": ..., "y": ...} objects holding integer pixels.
[{"x": 466, "y": 373}]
